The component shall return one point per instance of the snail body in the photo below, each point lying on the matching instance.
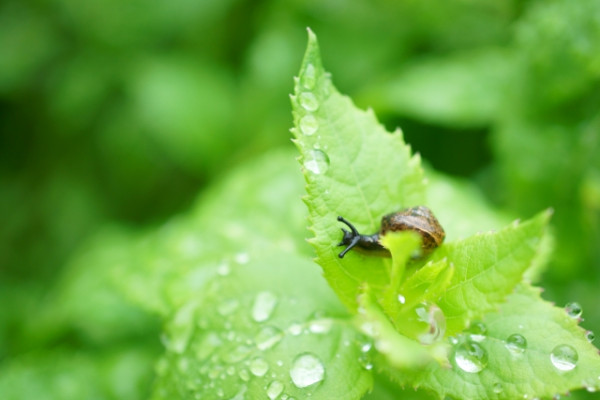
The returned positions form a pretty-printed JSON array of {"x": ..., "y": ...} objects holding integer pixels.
[{"x": 417, "y": 219}]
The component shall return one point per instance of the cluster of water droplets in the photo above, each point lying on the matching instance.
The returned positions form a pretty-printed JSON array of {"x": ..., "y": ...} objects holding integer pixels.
[
  {"x": 471, "y": 356},
  {"x": 227, "y": 357},
  {"x": 316, "y": 159}
]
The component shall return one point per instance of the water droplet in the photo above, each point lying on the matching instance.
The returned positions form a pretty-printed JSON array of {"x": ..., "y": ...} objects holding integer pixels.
[
  {"x": 240, "y": 394},
  {"x": 364, "y": 359},
  {"x": 516, "y": 343},
  {"x": 182, "y": 328},
  {"x": 497, "y": 388},
  {"x": 308, "y": 77},
  {"x": 309, "y": 125},
  {"x": 316, "y": 161},
  {"x": 237, "y": 354},
  {"x": 295, "y": 329},
  {"x": 435, "y": 321},
  {"x": 263, "y": 307},
  {"x": 307, "y": 370},
  {"x": 401, "y": 299},
  {"x": 590, "y": 385},
  {"x": 308, "y": 101},
  {"x": 258, "y": 366},
  {"x": 242, "y": 258},
  {"x": 275, "y": 388},
  {"x": 228, "y": 306},
  {"x": 321, "y": 326},
  {"x": 589, "y": 335},
  {"x": 573, "y": 309},
  {"x": 366, "y": 347},
  {"x": 223, "y": 269},
  {"x": 244, "y": 375},
  {"x": 564, "y": 357},
  {"x": 268, "y": 337},
  {"x": 477, "y": 331},
  {"x": 470, "y": 357}
]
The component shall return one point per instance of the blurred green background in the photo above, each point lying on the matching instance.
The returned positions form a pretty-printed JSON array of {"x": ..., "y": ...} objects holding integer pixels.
[{"x": 120, "y": 113}]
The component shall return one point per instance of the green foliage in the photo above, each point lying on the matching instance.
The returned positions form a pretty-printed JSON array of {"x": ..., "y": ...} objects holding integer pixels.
[{"x": 463, "y": 282}]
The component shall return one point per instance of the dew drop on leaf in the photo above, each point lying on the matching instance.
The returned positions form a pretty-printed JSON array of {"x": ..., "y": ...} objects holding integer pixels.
[
  {"x": 274, "y": 389},
  {"x": 307, "y": 370},
  {"x": 244, "y": 375},
  {"x": 316, "y": 161},
  {"x": 227, "y": 307},
  {"x": 263, "y": 307},
  {"x": 564, "y": 357},
  {"x": 308, "y": 77},
  {"x": 516, "y": 343},
  {"x": 267, "y": 337},
  {"x": 308, "y": 101},
  {"x": 237, "y": 354},
  {"x": 242, "y": 258},
  {"x": 258, "y": 366},
  {"x": 321, "y": 326},
  {"x": 309, "y": 125},
  {"x": 477, "y": 331},
  {"x": 401, "y": 299},
  {"x": 589, "y": 335},
  {"x": 223, "y": 269},
  {"x": 435, "y": 321},
  {"x": 573, "y": 309},
  {"x": 470, "y": 357},
  {"x": 295, "y": 329},
  {"x": 497, "y": 388}
]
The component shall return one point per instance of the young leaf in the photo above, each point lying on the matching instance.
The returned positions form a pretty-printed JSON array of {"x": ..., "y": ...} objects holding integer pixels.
[
  {"x": 353, "y": 168},
  {"x": 526, "y": 349},
  {"x": 487, "y": 268},
  {"x": 267, "y": 328}
]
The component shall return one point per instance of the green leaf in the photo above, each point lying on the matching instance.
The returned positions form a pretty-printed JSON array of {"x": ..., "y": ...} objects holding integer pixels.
[
  {"x": 353, "y": 168},
  {"x": 507, "y": 372},
  {"x": 487, "y": 268},
  {"x": 271, "y": 325}
]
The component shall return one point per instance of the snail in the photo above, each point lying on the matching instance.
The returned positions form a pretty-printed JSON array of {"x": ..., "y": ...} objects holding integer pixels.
[{"x": 418, "y": 219}]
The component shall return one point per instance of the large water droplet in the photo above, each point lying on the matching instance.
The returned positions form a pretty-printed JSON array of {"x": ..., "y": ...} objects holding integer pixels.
[
  {"x": 401, "y": 299},
  {"x": 309, "y": 125},
  {"x": 564, "y": 357},
  {"x": 258, "y": 366},
  {"x": 308, "y": 77},
  {"x": 470, "y": 357},
  {"x": 264, "y": 304},
  {"x": 516, "y": 343},
  {"x": 477, "y": 331},
  {"x": 573, "y": 309},
  {"x": 308, "y": 101},
  {"x": 274, "y": 389},
  {"x": 307, "y": 370},
  {"x": 316, "y": 161},
  {"x": 433, "y": 316},
  {"x": 268, "y": 337}
]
